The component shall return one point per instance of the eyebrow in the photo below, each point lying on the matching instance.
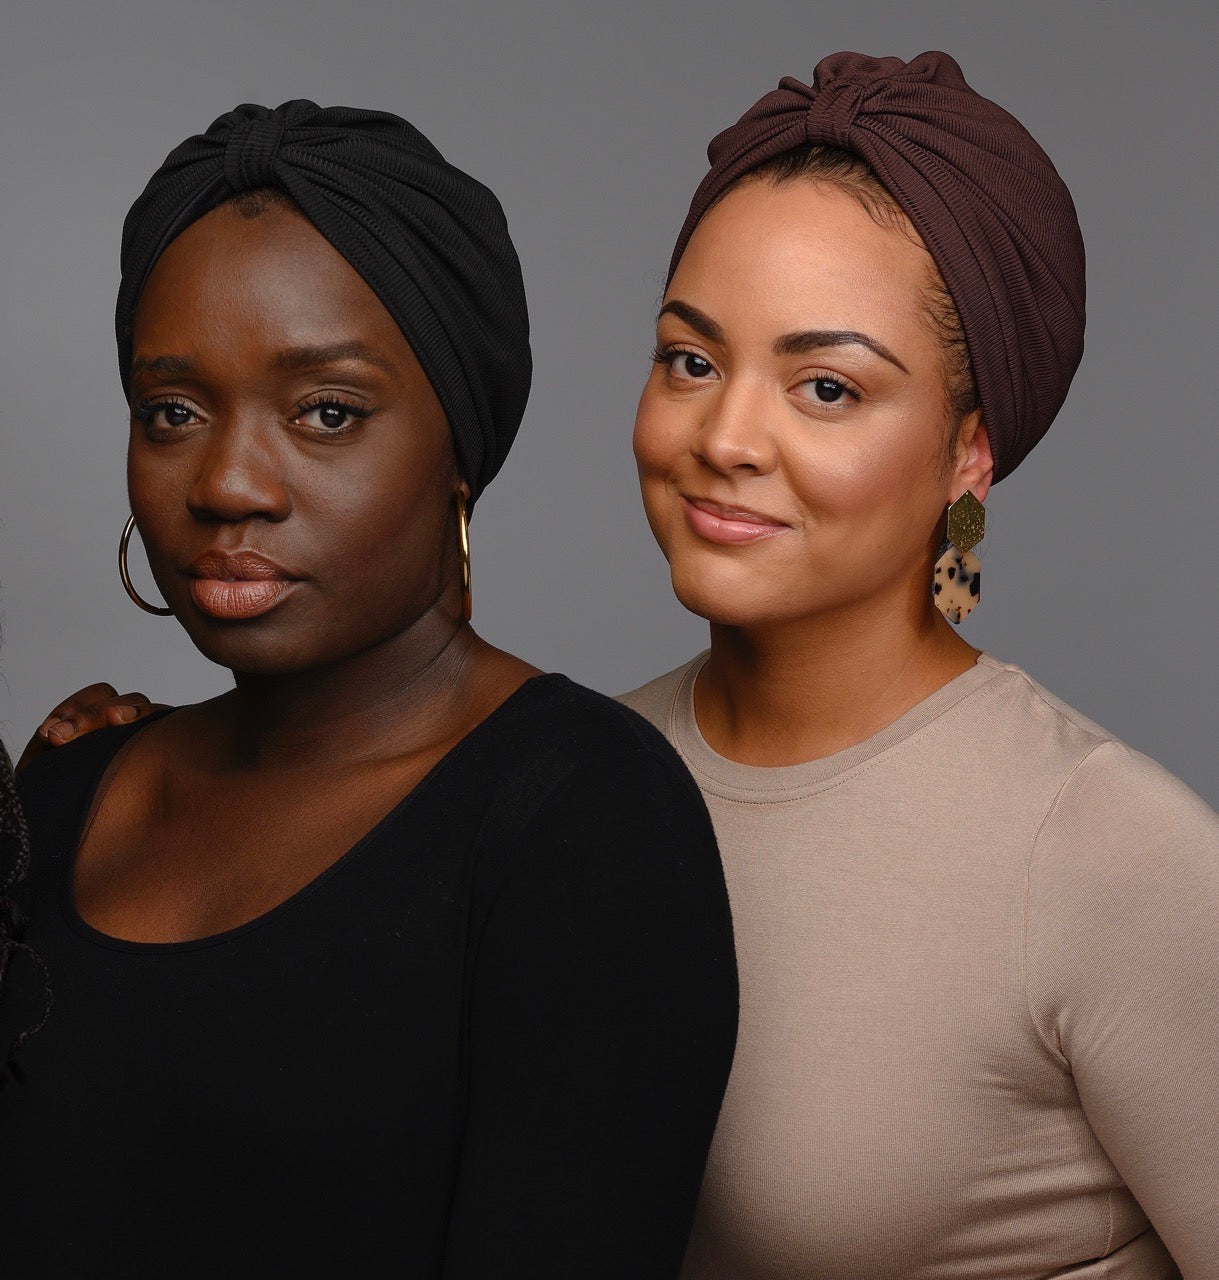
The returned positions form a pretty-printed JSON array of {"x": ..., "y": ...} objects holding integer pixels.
[
  {"x": 161, "y": 364},
  {"x": 702, "y": 324},
  {"x": 293, "y": 359},
  {"x": 790, "y": 344},
  {"x": 296, "y": 358},
  {"x": 800, "y": 344}
]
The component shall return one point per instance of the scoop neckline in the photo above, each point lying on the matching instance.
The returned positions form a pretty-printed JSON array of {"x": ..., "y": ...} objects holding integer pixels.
[
  {"x": 80, "y": 926},
  {"x": 767, "y": 784}
]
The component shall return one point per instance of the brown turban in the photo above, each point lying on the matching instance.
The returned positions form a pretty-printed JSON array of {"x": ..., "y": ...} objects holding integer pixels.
[{"x": 984, "y": 197}]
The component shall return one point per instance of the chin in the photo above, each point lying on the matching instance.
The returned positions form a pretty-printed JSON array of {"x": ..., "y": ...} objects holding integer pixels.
[
  {"x": 254, "y": 660},
  {"x": 733, "y": 598},
  {"x": 248, "y": 649}
]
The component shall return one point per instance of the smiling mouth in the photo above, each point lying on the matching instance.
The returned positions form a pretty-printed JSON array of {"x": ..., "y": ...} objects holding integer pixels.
[{"x": 729, "y": 526}]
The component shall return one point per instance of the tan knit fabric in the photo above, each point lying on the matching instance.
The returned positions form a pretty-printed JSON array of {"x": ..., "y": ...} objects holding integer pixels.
[{"x": 979, "y": 964}]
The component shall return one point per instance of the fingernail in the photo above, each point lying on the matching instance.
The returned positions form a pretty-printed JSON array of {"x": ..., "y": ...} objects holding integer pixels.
[
  {"x": 62, "y": 731},
  {"x": 124, "y": 714}
]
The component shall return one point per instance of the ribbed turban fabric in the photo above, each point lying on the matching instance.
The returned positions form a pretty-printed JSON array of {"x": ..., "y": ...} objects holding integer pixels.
[
  {"x": 430, "y": 241},
  {"x": 986, "y": 200}
]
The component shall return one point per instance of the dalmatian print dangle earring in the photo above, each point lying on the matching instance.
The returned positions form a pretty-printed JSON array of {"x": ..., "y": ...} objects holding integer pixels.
[{"x": 957, "y": 584}]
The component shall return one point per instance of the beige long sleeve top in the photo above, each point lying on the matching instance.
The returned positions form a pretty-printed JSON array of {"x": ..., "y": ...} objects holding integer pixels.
[{"x": 979, "y": 968}]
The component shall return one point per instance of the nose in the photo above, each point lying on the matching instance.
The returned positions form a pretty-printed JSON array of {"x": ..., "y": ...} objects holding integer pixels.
[
  {"x": 733, "y": 436},
  {"x": 239, "y": 477}
]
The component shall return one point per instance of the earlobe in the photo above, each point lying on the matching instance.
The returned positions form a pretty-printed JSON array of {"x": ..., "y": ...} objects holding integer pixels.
[{"x": 975, "y": 469}]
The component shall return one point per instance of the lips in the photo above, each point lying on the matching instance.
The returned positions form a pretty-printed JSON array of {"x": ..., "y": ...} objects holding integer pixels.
[
  {"x": 728, "y": 525},
  {"x": 237, "y": 585}
]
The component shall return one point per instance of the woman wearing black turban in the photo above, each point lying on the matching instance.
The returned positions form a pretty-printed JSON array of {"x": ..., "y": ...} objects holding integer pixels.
[
  {"x": 978, "y": 937},
  {"x": 401, "y": 958}
]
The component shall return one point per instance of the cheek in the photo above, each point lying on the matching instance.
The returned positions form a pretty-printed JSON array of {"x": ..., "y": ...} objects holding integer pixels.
[
  {"x": 378, "y": 527},
  {"x": 878, "y": 487},
  {"x": 840, "y": 483},
  {"x": 157, "y": 484},
  {"x": 661, "y": 436},
  {"x": 657, "y": 445}
]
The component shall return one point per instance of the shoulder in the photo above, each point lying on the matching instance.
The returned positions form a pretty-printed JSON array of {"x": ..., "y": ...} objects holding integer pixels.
[
  {"x": 553, "y": 715},
  {"x": 57, "y": 787},
  {"x": 580, "y": 790},
  {"x": 1024, "y": 716},
  {"x": 1121, "y": 818},
  {"x": 1125, "y": 855},
  {"x": 1093, "y": 776},
  {"x": 656, "y": 700},
  {"x": 65, "y": 772},
  {"x": 555, "y": 735},
  {"x": 1114, "y": 784}
]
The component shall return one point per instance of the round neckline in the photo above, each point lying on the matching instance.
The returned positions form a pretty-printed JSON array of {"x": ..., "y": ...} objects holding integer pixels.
[
  {"x": 80, "y": 926},
  {"x": 765, "y": 784}
]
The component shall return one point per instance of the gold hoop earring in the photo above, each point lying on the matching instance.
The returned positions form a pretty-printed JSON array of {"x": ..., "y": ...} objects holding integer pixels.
[
  {"x": 957, "y": 582},
  {"x": 125, "y": 576},
  {"x": 463, "y": 547}
]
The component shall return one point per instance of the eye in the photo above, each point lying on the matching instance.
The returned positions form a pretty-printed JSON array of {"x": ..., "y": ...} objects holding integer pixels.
[
  {"x": 330, "y": 416},
  {"x": 163, "y": 415},
  {"x": 176, "y": 415},
  {"x": 683, "y": 364},
  {"x": 828, "y": 389},
  {"x": 687, "y": 364}
]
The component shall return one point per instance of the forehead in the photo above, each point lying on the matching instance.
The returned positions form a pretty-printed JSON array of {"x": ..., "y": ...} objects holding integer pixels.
[
  {"x": 271, "y": 279},
  {"x": 801, "y": 254}
]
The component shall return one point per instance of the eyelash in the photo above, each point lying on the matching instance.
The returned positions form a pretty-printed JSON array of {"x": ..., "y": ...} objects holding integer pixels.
[
  {"x": 661, "y": 354},
  {"x": 848, "y": 387},
  {"x": 666, "y": 355},
  {"x": 145, "y": 412},
  {"x": 325, "y": 401}
]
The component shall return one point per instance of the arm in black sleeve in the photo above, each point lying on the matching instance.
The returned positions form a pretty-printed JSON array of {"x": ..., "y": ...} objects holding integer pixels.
[{"x": 602, "y": 1025}]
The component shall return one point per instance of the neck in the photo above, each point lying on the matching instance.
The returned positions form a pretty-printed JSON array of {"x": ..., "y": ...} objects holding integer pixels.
[
  {"x": 804, "y": 689},
  {"x": 397, "y": 697}
]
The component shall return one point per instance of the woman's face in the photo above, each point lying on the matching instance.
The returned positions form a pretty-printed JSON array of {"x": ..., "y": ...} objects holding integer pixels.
[
  {"x": 791, "y": 437},
  {"x": 290, "y": 468}
]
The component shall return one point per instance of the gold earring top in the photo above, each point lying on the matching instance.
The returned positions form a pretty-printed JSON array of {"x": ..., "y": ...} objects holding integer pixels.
[{"x": 966, "y": 522}]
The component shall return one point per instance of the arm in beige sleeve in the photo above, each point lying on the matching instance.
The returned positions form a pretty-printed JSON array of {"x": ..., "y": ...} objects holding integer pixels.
[{"x": 1123, "y": 972}]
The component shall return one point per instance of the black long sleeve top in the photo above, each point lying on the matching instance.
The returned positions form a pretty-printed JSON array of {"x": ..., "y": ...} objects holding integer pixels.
[{"x": 490, "y": 1041}]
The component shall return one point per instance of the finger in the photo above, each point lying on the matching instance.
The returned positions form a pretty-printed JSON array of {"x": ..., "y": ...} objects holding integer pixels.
[
  {"x": 63, "y": 730},
  {"x": 85, "y": 717},
  {"x": 73, "y": 702},
  {"x": 49, "y": 734},
  {"x": 128, "y": 707}
]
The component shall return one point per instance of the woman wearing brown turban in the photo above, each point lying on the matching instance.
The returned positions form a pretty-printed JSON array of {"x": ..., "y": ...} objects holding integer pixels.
[
  {"x": 978, "y": 938},
  {"x": 401, "y": 958}
]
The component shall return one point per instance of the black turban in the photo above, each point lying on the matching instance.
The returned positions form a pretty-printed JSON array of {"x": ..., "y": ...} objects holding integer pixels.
[
  {"x": 986, "y": 200},
  {"x": 429, "y": 240}
]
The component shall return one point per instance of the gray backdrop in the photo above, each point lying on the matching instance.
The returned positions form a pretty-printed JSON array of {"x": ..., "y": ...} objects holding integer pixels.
[{"x": 589, "y": 121}]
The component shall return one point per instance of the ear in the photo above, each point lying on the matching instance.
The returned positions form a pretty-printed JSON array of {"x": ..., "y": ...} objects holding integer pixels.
[{"x": 975, "y": 466}]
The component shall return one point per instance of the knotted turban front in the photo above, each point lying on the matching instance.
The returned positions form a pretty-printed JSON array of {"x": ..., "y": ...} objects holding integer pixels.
[
  {"x": 986, "y": 200},
  {"x": 430, "y": 241}
]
